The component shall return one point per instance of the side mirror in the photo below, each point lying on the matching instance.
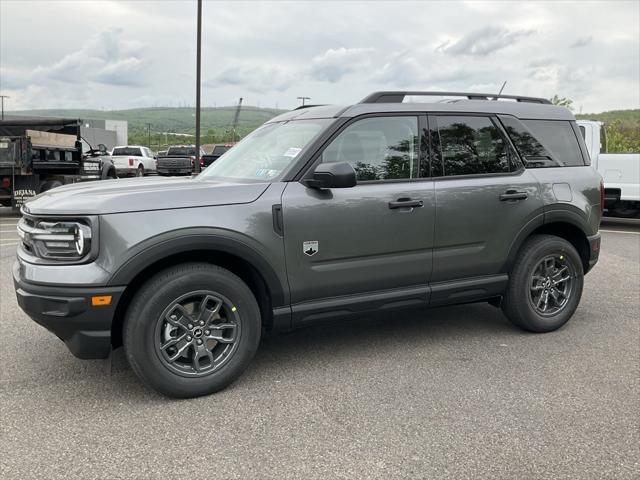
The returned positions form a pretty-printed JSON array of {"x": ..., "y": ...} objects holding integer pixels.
[
  {"x": 102, "y": 149},
  {"x": 332, "y": 175}
]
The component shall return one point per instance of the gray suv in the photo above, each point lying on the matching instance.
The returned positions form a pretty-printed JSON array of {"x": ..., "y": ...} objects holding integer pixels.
[{"x": 321, "y": 213}]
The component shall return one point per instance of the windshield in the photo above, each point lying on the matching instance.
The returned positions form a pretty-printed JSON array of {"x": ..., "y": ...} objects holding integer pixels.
[
  {"x": 182, "y": 151},
  {"x": 128, "y": 151},
  {"x": 265, "y": 153}
]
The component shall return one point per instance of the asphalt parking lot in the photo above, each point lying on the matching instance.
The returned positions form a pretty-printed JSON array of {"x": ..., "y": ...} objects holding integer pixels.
[{"x": 448, "y": 393}]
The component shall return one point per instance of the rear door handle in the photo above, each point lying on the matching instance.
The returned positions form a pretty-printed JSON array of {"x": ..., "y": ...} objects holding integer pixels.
[
  {"x": 406, "y": 203},
  {"x": 513, "y": 195}
]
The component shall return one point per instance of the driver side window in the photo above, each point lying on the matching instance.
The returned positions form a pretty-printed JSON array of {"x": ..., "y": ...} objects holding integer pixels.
[{"x": 379, "y": 148}]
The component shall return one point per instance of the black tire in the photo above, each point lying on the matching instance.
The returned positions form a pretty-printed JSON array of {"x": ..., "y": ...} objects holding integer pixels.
[
  {"x": 49, "y": 185},
  {"x": 140, "y": 171},
  {"x": 518, "y": 304},
  {"x": 149, "y": 309}
]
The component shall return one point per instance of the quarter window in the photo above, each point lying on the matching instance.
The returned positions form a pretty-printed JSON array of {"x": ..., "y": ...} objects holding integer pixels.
[
  {"x": 471, "y": 145},
  {"x": 532, "y": 151},
  {"x": 559, "y": 138},
  {"x": 380, "y": 148}
]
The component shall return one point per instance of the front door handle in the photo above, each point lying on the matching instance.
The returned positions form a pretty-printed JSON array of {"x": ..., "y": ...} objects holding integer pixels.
[
  {"x": 513, "y": 195},
  {"x": 406, "y": 203}
]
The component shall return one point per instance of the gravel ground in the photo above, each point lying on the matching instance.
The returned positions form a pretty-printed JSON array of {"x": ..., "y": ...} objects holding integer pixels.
[{"x": 452, "y": 392}]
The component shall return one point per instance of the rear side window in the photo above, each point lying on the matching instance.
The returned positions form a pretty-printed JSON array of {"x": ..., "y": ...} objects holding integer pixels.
[
  {"x": 559, "y": 138},
  {"x": 471, "y": 145}
]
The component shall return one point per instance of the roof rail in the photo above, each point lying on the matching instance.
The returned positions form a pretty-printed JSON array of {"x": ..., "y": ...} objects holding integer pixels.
[
  {"x": 398, "y": 97},
  {"x": 309, "y": 106}
]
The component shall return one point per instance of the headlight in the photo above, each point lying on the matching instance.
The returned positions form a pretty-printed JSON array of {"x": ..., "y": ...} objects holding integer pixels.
[{"x": 59, "y": 240}]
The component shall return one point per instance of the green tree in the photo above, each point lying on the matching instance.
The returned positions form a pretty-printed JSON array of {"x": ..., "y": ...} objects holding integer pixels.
[{"x": 562, "y": 101}]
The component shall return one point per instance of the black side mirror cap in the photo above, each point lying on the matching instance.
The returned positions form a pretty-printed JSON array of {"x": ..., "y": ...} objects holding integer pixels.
[{"x": 332, "y": 175}]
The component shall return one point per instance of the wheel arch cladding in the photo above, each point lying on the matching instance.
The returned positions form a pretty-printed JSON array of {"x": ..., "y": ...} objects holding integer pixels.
[
  {"x": 238, "y": 258},
  {"x": 559, "y": 228}
]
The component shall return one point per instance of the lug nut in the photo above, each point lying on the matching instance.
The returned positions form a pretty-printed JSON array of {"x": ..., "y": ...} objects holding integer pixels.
[
  {"x": 190, "y": 326},
  {"x": 199, "y": 342},
  {"x": 188, "y": 338},
  {"x": 201, "y": 322},
  {"x": 207, "y": 332}
]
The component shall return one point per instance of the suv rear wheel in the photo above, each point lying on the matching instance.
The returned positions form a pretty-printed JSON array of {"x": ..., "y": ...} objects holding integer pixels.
[
  {"x": 545, "y": 285},
  {"x": 192, "y": 330}
]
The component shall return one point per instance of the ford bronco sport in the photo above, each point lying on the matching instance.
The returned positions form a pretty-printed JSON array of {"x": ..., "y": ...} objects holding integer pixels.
[{"x": 322, "y": 212}]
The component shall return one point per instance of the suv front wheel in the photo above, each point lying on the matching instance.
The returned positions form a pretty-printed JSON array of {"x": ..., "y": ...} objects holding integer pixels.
[
  {"x": 545, "y": 284},
  {"x": 191, "y": 330}
]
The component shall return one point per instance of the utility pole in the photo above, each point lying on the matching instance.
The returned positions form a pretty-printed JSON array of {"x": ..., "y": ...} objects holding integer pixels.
[
  {"x": 149, "y": 132},
  {"x": 303, "y": 99},
  {"x": 198, "y": 57},
  {"x": 2, "y": 97}
]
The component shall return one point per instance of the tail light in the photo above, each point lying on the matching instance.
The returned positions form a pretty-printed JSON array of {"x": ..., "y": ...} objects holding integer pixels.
[
  {"x": 131, "y": 162},
  {"x": 601, "y": 196},
  {"x": 6, "y": 182},
  {"x": 201, "y": 162}
]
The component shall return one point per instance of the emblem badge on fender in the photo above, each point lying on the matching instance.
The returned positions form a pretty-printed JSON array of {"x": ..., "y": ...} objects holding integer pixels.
[{"x": 310, "y": 248}]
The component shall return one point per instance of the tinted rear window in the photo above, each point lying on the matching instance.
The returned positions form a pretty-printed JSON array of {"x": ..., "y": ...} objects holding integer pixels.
[
  {"x": 558, "y": 138},
  {"x": 219, "y": 150},
  {"x": 127, "y": 151},
  {"x": 182, "y": 151}
]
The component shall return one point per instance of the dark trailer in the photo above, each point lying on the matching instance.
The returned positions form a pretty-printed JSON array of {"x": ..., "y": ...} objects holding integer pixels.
[{"x": 37, "y": 154}]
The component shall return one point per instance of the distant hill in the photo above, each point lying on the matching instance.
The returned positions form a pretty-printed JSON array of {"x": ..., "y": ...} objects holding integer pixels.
[
  {"x": 166, "y": 119},
  {"x": 216, "y": 122},
  {"x": 622, "y": 128},
  {"x": 623, "y": 116}
]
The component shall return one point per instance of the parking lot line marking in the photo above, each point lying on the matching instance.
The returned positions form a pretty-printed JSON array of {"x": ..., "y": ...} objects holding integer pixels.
[
  {"x": 9, "y": 244},
  {"x": 620, "y": 231}
]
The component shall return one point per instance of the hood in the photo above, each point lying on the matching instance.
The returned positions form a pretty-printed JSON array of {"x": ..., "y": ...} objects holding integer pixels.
[{"x": 140, "y": 194}]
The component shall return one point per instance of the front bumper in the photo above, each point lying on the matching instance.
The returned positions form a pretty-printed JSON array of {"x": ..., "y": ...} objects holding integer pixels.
[
  {"x": 69, "y": 314},
  {"x": 594, "y": 250}
]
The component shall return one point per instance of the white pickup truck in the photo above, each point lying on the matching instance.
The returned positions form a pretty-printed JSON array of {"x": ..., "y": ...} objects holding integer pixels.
[
  {"x": 133, "y": 160},
  {"x": 620, "y": 171}
]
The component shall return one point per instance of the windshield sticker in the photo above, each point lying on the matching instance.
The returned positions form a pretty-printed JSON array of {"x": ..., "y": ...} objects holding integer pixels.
[
  {"x": 292, "y": 152},
  {"x": 266, "y": 173}
]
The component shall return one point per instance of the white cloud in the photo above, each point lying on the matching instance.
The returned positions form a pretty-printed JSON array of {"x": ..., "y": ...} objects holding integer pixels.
[
  {"x": 484, "y": 41},
  {"x": 332, "y": 65},
  {"x": 107, "y": 57},
  {"x": 119, "y": 54}
]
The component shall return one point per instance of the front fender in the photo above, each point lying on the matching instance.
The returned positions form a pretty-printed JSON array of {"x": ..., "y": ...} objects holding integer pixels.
[{"x": 175, "y": 242}]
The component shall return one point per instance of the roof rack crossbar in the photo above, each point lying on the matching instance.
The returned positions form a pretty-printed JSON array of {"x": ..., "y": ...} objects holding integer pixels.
[{"x": 398, "y": 97}]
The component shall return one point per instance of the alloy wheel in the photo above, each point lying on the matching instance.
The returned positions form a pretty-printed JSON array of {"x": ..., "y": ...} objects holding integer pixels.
[
  {"x": 197, "y": 333},
  {"x": 551, "y": 284}
]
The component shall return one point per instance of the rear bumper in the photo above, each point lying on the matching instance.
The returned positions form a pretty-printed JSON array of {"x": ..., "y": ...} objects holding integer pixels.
[
  {"x": 67, "y": 312},
  {"x": 594, "y": 250},
  {"x": 174, "y": 171},
  {"x": 126, "y": 170}
]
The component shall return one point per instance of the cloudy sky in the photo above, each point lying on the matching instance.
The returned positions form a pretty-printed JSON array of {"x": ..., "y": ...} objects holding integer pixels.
[{"x": 113, "y": 54}]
